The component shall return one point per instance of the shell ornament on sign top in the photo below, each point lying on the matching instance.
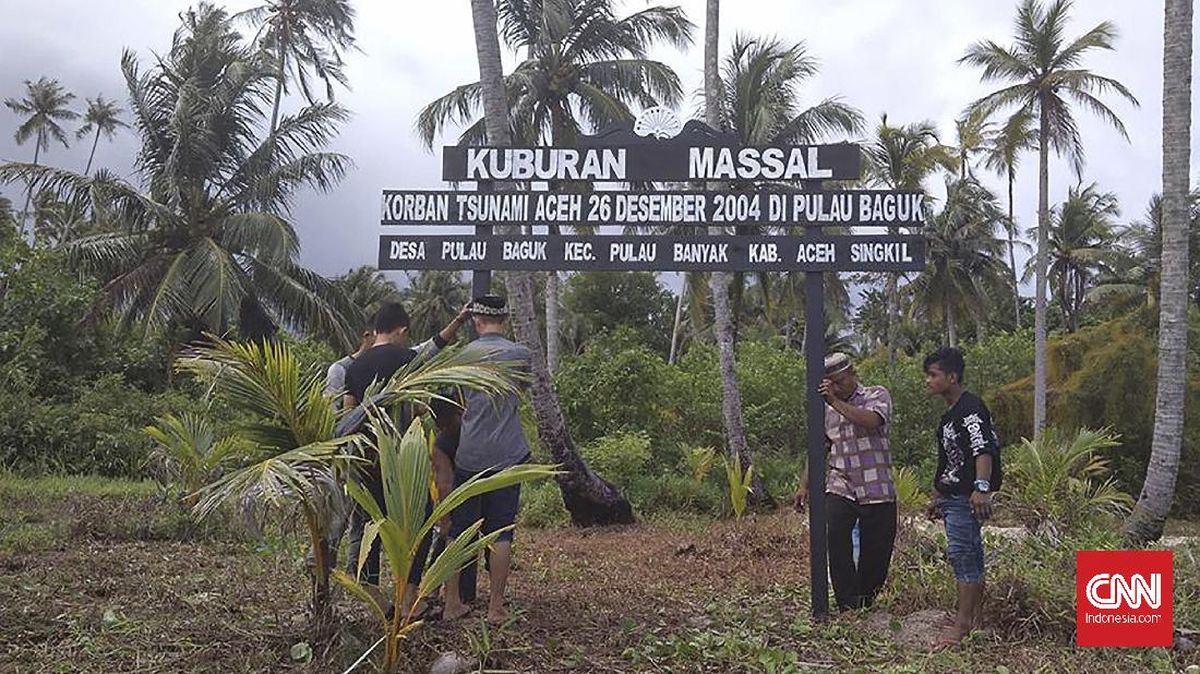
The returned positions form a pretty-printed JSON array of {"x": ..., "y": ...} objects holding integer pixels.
[{"x": 658, "y": 122}]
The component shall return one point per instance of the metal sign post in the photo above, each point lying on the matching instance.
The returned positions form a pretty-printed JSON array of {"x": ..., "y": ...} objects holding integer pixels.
[
  {"x": 814, "y": 366},
  {"x": 481, "y": 278},
  {"x": 659, "y": 148}
]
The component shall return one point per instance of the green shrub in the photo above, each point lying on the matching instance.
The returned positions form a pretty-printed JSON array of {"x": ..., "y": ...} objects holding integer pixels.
[
  {"x": 915, "y": 414},
  {"x": 1105, "y": 376},
  {"x": 1060, "y": 482},
  {"x": 616, "y": 385},
  {"x": 771, "y": 382},
  {"x": 652, "y": 494},
  {"x": 99, "y": 432},
  {"x": 781, "y": 474},
  {"x": 542, "y": 506},
  {"x": 738, "y": 481},
  {"x": 619, "y": 458},
  {"x": 911, "y": 496},
  {"x": 998, "y": 360},
  {"x": 699, "y": 462}
]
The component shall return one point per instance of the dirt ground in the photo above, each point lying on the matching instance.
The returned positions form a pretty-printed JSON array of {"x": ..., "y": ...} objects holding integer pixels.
[{"x": 678, "y": 596}]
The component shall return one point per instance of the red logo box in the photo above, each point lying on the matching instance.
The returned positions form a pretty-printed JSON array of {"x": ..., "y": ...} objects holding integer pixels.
[{"x": 1124, "y": 597}]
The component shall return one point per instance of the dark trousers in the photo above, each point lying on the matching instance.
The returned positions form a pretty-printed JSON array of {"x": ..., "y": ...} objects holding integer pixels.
[
  {"x": 373, "y": 481},
  {"x": 468, "y": 578},
  {"x": 856, "y": 586}
]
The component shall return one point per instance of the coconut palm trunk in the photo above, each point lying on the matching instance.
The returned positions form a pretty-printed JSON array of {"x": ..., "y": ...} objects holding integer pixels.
[
  {"x": 590, "y": 499},
  {"x": 281, "y": 74},
  {"x": 892, "y": 292},
  {"x": 731, "y": 398},
  {"x": 951, "y": 326},
  {"x": 1039, "y": 300},
  {"x": 1158, "y": 491},
  {"x": 37, "y": 150},
  {"x": 553, "y": 319},
  {"x": 678, "y": 322},
  {"x": 87, "y": 171},
  {"x": 1012, "y": 254}
]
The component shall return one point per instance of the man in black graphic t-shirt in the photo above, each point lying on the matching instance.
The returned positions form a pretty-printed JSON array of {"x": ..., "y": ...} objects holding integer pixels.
[
  {"x": 965, "y": 432},
  {"x": 968, "y": 471}
]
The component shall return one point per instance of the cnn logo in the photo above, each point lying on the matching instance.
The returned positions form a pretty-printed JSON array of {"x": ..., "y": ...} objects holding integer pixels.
[
  {"x": 1124, "y": 598},
  {"x": 1115, "y": 590}
]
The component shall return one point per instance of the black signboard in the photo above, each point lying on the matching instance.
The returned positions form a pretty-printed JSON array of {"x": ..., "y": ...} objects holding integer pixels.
[
  {"x": 656, "y": 208},
  {"x": 676, "y": 160},
  {"x": 654, "y": 253}
]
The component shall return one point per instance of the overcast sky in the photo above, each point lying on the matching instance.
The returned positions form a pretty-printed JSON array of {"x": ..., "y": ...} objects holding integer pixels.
[{"x": 880, "y": 55}]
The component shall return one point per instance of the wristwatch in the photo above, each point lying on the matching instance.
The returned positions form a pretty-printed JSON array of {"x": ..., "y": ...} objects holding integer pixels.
[{"x": 983, "y": 486}]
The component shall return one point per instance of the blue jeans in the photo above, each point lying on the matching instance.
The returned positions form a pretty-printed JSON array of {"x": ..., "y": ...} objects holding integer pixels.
[{"x": 964, "y": 538}]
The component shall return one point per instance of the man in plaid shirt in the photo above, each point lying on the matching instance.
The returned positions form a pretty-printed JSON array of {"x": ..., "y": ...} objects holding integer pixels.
[{"x": 859, "y": 485}]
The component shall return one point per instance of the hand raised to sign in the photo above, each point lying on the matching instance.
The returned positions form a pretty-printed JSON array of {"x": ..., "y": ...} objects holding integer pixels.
[
  {"x": 464, "y": 314},
  {"x": 826, "y": 389}
]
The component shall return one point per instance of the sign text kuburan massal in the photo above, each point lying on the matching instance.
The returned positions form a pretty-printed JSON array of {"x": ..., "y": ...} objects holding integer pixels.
[{"x": 609, "y": 164}]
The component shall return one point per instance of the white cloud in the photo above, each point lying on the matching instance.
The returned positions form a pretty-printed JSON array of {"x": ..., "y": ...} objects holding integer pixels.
[{"x": 880, "y": 55}]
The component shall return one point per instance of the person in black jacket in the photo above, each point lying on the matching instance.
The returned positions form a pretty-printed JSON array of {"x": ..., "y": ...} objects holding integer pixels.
[
  {"x": 389, "y": 355},
  {"x": 968, "y": 473}
]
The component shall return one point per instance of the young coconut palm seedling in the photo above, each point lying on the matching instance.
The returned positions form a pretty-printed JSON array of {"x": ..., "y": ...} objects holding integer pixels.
[
  {"x": 295, "y": 464},
  {"x": 740, "y": 485},
  {"x": 403, "y": 520}
]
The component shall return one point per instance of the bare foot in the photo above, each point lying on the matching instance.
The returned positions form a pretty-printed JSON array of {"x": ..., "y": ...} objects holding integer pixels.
[
  {"x": 455, "y": 612},
  {"x": 950, "y": 637},
  {"x": 497, "y": 616}
]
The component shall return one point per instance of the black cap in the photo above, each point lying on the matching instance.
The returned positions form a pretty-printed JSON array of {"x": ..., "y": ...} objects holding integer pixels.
[{"x": 489, "y": 305}]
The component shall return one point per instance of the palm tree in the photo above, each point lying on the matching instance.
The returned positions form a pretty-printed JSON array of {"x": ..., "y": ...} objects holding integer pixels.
[
  {"x": 294, "y": 458},
  {"x": 433, "y": 298},
  {"x": 973, "y": 131},
  {"x": 1081, "y": 236},
  {"x": 1132, "y": 272},
  {"x": 303, "y": 35},
  {"x": 760, "y": 104},
  {"x": 1003, "y": 155},
  {"x": 103, "y": 117},
  {"x": 207, "y": 244},
  {"x": 1044, "y": 76},
  {"x": 590, "y": 499},
  {"x": 964, "y": 258},
  {"x": 584, "y": 67},
  {"x": 723, "y": 319},
  {"x": 6, "y": 212},
  {"x": 902, "y": 158},
  {"x": 367, "y": 288},
  {"x": 1158, "y": 491},
  {"x": 691, "y": 311},
  {"x": 44, "y": 106},
  {"x": 55, "y": 221}
]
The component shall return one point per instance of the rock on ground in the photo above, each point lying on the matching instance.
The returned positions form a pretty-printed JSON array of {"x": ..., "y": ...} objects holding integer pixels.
[
  {"x": 451, "y": 663},
  {"x": 917, "y": 630}
]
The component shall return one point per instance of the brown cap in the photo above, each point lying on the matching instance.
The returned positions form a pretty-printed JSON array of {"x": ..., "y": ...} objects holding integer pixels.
[{"x": 837, "y": 362}]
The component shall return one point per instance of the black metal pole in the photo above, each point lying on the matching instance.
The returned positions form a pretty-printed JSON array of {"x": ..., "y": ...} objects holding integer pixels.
[
  {"x": 814, "y": 356},
  {"x": 481, "y": 279}
]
